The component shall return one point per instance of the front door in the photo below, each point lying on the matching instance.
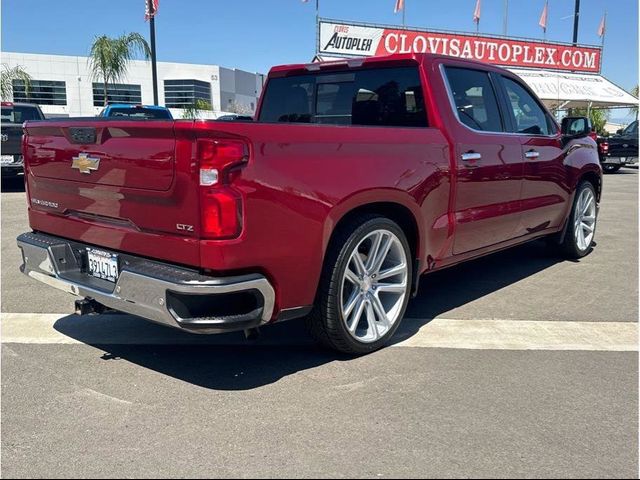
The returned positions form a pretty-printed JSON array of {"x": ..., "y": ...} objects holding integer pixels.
[
  {"x": 545, "y": 198},
  {"x": 489, "y": 164}
]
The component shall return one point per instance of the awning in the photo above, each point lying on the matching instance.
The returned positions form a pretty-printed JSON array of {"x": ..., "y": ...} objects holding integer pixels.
[{"x": 575, "y": 90}]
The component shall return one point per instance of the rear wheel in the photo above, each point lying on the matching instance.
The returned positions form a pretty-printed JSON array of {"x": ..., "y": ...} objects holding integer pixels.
[
  {"x": 581, "y": 229},
  {"x": 365, "y": 285}
]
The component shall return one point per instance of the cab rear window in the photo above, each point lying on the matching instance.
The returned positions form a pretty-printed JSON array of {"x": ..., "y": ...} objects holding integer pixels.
[
  {"x": 390, "y": 97},
  {"x": 139, "y": 113}
]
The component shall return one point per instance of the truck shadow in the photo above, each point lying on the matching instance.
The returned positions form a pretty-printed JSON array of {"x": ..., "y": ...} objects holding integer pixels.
[{"x": 229, "y": 362}]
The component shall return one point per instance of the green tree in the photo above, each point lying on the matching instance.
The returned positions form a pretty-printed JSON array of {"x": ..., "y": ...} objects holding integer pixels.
[
  {"x": 598, "y": 116},
  {"x": 109, "y": 57},
  {"x": 8, "y": 75},
  {"x": 193, "y": 111}
]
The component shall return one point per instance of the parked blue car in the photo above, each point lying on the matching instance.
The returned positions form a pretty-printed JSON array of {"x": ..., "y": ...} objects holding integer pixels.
[{"x": 140, "y": 112}]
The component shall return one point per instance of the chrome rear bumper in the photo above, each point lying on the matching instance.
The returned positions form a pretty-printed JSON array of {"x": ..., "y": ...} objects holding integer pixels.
[{"x": 164, "y": 293}]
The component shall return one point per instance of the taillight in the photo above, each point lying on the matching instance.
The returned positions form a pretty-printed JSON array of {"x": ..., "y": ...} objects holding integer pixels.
[
  {"x": 604, "y": 147},
  {"x": 221, "y": 204}
]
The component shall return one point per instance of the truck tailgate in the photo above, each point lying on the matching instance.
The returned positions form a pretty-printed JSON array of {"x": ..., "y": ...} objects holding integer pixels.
[{"x": 124, "y": 185}]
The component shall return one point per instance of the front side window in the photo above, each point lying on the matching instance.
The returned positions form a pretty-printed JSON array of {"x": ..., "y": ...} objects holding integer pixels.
[
  {"x": 475, "y": 99},
  {"x": 530, "y": 117},
  {"x": 374, "y": 96},
  {"x": 632, "y": 129}
]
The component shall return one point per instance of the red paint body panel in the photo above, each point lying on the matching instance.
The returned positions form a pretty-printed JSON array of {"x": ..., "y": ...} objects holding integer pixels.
[{"x": 299, "y": 182}]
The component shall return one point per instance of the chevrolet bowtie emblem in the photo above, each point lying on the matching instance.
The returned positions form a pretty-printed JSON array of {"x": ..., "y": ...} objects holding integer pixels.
[{"x": 85, "y": 163}]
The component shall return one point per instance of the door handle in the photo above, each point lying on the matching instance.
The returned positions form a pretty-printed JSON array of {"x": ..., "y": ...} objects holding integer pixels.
[
  {"x": 532, "y": 154},
  {"x": 470, "y": 156}
]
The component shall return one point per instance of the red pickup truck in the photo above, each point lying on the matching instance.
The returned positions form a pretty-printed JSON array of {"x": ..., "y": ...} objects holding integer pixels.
[{"x": 355, "y": 178}]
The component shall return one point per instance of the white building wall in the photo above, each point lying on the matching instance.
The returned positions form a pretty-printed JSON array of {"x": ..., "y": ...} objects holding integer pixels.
[{"x": 75, "y": 72}]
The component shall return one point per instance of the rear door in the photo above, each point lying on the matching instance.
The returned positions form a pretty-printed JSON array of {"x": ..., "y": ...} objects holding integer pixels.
[
  {"x": 544, "y": 193},
  {"x": 489, "y": 162}
]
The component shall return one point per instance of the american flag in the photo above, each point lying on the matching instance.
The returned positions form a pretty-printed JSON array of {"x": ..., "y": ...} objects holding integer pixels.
[
  {"x": 399, "y": 6},
  {"x": 544, "y": 17},
  {"x": 150, "y": 8},
  {"x": 476, "y": 12},
  {"x": 602, "y": 29}
]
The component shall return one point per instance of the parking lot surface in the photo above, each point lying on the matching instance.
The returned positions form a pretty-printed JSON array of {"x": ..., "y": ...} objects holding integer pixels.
[{"x": 515, "y": 365}]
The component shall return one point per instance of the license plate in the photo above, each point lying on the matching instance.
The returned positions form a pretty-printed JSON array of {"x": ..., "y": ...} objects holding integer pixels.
[
  {"x": 6, "y": 159},
  {"x": 102, "y": 264}
]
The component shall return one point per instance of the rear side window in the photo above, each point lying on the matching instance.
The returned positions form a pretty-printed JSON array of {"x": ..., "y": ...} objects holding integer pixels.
[
  {"x": 19, "y": 114},
  {"x": 530, "y": 117},
  {"x": 377, "y": 97},
  {"x": 474, "y": 99},
  {"x": 139, "y": 113}
]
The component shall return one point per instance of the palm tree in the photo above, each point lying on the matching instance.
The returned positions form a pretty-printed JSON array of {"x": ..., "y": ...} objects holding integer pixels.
[
  {"x": 8, "y": 75},
  {"x": 193, "y": 111},
  {"x": 109, "y": 57}
]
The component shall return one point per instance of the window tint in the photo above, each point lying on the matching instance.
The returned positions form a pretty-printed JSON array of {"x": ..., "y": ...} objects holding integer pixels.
[
  {"x": 475, "y": 99},
  {"x": 185, "y": 93},
  {"x": 530, "y": 117},
  {"x": 381, "y": 97},
  {"x": 116, "y": 93},
  {"x": 139, "y": 113},
  {"x": 20, "y": 113},
  {"x": 42, "y": 92},
  {"x": 632, "y": 129}
]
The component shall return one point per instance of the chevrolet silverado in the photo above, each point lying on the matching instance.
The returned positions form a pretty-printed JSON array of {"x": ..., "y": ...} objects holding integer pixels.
[{"x": 356, "y": 178}]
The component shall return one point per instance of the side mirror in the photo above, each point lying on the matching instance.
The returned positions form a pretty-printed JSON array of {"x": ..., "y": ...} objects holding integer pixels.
[
  {"x": 619, "y": 131},
  {"x": 575, "y": 127}
]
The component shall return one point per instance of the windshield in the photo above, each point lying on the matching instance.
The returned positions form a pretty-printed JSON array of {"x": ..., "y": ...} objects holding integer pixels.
[
  {"x": 19, "y": 114},
  {"x": 140, "y": 113}
]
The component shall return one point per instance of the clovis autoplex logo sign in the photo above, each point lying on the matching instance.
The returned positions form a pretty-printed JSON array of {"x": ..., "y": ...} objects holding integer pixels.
[{"x": 362, "y": 40}]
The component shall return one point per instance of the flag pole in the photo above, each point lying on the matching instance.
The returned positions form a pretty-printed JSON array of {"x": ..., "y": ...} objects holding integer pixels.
[
  {"x": 404, "y": 7},
  {"x": 604, "y": 34},
  {"x": 154, "y": 68},
  {"x": 505, "y": 20}
]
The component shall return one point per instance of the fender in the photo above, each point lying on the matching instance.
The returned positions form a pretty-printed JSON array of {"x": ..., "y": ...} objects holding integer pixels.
[{"x": 376, "y": 196}]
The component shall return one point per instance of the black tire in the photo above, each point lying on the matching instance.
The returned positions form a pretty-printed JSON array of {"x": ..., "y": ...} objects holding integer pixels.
[
  {"x": 325, "y": 322},
  {"x": 610, "y": 168},
  {"x": 569, "y": 246}
]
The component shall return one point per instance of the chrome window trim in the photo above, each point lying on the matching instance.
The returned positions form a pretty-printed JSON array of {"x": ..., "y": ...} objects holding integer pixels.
[{"x": 452, "y": 104}]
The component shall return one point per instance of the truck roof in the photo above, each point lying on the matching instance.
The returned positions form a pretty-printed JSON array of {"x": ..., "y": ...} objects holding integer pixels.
[
  {"x": 19, "y": 104},
  {"x": 356, "y": 62}
]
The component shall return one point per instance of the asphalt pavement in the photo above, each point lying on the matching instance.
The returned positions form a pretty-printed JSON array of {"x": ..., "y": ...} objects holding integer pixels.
[{"x": 515, "y": 365}]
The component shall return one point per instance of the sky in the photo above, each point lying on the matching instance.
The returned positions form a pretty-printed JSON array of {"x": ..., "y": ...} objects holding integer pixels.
[{"x": 253, "y": 35}]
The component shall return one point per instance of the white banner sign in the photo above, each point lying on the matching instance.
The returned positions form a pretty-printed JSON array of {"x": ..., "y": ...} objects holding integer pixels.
[{"x": 571, "y": 87}]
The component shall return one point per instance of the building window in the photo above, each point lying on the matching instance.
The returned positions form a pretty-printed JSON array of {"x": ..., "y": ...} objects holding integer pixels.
[
  {"x": 42, "y": 92},
  {"x": 184, "y": 93},
  {"x": 116, "y": 93}
]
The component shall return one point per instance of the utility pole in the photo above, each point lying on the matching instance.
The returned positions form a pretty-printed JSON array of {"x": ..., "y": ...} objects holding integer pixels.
[{"x": 576, "y": 20}]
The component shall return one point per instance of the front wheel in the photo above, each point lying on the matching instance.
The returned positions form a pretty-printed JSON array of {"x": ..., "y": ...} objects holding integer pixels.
[
  {"x": 581, "y": 229},
  {"x": 610, "y": 168},
  {"x": 364, "y": 288}
]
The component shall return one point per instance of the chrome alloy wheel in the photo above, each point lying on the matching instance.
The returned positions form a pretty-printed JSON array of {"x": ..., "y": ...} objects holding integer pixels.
[
  {"x": 374, "y": 286},
  {"x": 585, "y": 219}
]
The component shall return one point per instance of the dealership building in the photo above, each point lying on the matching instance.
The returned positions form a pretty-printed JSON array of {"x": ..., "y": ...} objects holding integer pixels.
[{"x": 62, "y": 85}]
